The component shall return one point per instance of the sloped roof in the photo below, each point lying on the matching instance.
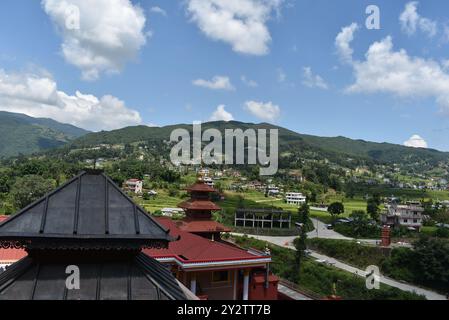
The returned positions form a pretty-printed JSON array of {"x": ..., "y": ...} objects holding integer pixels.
[
  {"x": 142, "y": 278},
  {"x": 200, "y": 186},
  {"x": 194, "y": 204},
  {"x": 197, "y": 226},
  {"x": 88, "y": 207},
  {"x": 193, "y": 249}
]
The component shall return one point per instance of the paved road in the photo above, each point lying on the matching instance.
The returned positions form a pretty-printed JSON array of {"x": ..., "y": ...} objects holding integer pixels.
[
  {"x": 287, "y": 242},
  {"x": 321, "y": 231}
]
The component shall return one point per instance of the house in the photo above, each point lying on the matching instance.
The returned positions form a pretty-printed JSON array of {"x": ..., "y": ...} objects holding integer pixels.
[
  {"x": 170, "y": 212},
  {"x": 273, "y": 190},
  {"x": 409, "y": 215},
  {"x": 208, "y": 181},
  {"x": 134, "y": 185},
  {"x": 295, "y": 198}
]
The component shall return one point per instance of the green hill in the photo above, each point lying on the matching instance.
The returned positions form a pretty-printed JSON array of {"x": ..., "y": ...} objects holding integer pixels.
[
  {"x": 323, "y": 147},
  {"x": 23, "y": 134}
]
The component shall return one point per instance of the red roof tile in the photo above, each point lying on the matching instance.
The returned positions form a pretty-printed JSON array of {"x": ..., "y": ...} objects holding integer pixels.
[
  {"x": 201, "y": 187},
  {"x": 194, "y": 204},
  {"x": 193, "y": 249},
  {"x": 197, "y": 226}
]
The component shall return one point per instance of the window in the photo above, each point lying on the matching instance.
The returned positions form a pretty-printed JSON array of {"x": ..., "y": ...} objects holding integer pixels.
[
  {"x": 220, "y": 276},
  {"x": 405, "y": 221},
  {"x": 415, "y": 220}
]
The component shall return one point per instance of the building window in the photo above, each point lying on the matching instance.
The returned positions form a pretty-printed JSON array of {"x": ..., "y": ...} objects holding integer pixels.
[
  {"x": 220, "y": 276},
  {"x": 405, "y": 221},
  {"x": 415, "y": 220}
]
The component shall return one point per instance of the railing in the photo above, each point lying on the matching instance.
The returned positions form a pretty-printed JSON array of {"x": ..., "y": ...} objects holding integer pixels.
[{"x": 295, "y": 287}]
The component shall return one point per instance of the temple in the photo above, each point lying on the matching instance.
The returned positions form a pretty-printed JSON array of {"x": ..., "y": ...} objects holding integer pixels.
[
  {"x": 198, "y": 210},
  {"x": 103, "y": 231},
  {"x": 210, "y": 267},
  {"x": 89, "y": 225}
]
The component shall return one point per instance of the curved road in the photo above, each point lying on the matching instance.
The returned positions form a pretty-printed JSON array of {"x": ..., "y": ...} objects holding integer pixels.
[{"x": 323, "y": 232}]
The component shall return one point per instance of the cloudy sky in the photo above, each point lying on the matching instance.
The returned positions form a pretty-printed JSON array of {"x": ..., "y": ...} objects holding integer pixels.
[{"x": 311, "y": 66}]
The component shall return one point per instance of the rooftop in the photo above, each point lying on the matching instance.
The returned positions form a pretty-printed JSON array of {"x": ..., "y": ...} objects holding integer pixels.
[
  {"x": 88, "y": 207},
  {"x": 193, "y": 249}
]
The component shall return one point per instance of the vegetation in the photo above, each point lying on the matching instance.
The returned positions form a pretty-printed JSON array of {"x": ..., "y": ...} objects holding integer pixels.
[
  {"x": 318, "y": 278},
  {"x": 425, "y": 265},
  {"x": 335, "y": 209},
  {"x": 25, "y": 135}
]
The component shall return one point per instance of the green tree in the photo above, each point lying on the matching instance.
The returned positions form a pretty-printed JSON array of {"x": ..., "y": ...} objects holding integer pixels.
[
  {"x": 373, "y": 207},
  {"x": 28, "y": 189},
  {"x": 335, "y": 209},
  {"x": 303, "y": 213},
  {"x": 300, "y": 244}
]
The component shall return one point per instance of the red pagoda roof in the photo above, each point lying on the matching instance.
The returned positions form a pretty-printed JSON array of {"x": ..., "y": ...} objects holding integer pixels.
[
  {"x": 10, "y": 255},
  {"x": 194, "y": 250},
  {"x": 198, "y": 226},
  {"x": 201, "y": 187},
  {"x": 194, "y": 204}
]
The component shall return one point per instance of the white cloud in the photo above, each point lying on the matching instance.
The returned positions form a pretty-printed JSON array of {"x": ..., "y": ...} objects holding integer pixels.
[
  {"x": 240, "y": 23},
  {"x": 249, "y": 82},
  {"x": 343, "y": 41},
  {"x": 281, "y": 76},
  {"x": 158, "y": 10},
  {"x": 217, "y": 83},
  {"x": 411, "y": 21},
  {"x": 220, "y": 114},
  {"x": 416, "y": 141},
  {"x": 312, "y": 80},
  {"x": 265, "y": 111},
  {"x": 385, "y": 70},
  {"x": 110, "y": 33},
  {"x": 37, "y": 95}
]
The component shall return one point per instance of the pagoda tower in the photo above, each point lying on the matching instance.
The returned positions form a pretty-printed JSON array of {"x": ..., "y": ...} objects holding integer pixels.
[
  {"x": 199, "y": 210},
  {"x": 91, "y": 228}
]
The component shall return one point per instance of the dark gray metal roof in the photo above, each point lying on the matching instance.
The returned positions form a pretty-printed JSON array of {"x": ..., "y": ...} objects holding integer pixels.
[
  {"x": 88, "y": 207},
  {"x": 139, "y": 278}
]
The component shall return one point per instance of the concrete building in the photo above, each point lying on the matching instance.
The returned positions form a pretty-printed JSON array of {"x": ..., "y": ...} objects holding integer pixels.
[
  {"x": 295, "y": 198},
  {"x": 134, "y": 185},
  {"x": 408, "y": 215}
]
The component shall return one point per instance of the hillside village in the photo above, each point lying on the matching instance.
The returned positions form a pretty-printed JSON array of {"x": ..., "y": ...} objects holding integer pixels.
[{"x": 371, "y": 205}]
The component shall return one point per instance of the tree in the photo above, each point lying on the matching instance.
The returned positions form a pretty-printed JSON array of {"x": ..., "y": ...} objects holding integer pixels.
[
  {"x": 29, "y": 189},
  {"x": 336, "y": 209},
  {"x": 303, "y": 213},
  {"x": 373, "y": 207},
  {"x": 300, "y": 246}
]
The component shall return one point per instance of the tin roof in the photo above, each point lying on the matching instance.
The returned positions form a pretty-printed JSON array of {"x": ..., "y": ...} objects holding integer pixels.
[
  {"x": 89, "y": 207},
  {"x": 141, "y": 278}
]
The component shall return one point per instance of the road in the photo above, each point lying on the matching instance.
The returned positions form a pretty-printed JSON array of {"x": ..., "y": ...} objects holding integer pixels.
[{"x": 287, "y": 242}]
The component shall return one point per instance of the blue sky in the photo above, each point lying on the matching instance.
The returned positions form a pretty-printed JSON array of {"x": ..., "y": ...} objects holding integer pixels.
[{"x": 167, "y": 62}]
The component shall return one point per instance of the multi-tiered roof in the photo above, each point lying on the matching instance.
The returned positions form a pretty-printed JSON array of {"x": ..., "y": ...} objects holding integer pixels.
[
  {"x": 199, "y": 210},
  {"x": 89, "y": 223}
]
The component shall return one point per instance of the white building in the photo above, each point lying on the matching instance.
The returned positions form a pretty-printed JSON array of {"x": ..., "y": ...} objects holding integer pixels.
[
  {"x": 296, "y": 198},
  {"x": 208, "y": 181},
  {"x": 134, "y": 185},
  {"x": 170, "y": 212}
]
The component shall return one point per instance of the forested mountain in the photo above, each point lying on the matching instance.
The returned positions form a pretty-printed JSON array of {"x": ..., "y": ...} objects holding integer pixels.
[
  {"x": 333, "y": 147},
  {"x": 21, "y": 134}
]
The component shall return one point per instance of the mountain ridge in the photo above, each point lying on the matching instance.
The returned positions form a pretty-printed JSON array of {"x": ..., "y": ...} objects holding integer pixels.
[
  {"x": 22, "y": 134},
  {"x": 288, "y": 140}
]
